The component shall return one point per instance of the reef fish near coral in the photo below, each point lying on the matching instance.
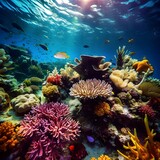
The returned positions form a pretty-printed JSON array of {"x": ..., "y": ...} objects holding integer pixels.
[{"x": 61, "y": 55}]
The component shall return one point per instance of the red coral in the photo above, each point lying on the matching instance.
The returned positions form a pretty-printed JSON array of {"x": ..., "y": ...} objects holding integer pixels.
[
  {"x": 54, "y": 79},
  {"x": 146, "y": 109}
]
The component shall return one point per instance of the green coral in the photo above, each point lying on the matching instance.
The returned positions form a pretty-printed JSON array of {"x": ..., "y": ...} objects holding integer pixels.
[{"x": 150, "y": 87}]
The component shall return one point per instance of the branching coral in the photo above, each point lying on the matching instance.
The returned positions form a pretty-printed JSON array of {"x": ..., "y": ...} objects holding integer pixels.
[
  {"x": 101, "y": 157},
  {"x": 8, "y": 136},
  {"x": 148, "y": 151},
  {"x": 91, "y": 88},
  {"x": 49, "y": 127}
]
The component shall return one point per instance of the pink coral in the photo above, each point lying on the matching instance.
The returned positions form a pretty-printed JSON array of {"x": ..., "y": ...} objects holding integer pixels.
[{"x": 48, "y": 127}]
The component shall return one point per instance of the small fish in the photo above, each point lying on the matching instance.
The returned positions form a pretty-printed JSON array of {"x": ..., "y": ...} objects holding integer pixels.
[
  {"x": 86, "y": 46},
  {"x": 4, "y": 29},
  {"x": 90, "y": 139},
  {"x": 131, "y": 40},
  {"x": 120, "y": 38},
  {"x": 43, "y": 46},
  {"x": 17, "y": 26},
  {"x": 61, "y": 55},
  {"x": 107, "y": 41},
  {"x": 71, "y": 148},
  {"x": 132, "y": 53}
]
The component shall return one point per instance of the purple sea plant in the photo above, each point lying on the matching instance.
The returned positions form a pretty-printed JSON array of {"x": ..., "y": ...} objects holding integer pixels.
[{"x": 48, "y": 128}]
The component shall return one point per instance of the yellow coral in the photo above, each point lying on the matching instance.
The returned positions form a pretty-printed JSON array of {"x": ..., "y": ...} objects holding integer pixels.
[
  {"x": 102, "y": 109},
  {"x": 101, "y": 157},
  {"x": 142, "y": 66},
  {"x": 49, "y": 90},
  {"x": 8, "y": 136},
  {"x": 148, "y": 151}
]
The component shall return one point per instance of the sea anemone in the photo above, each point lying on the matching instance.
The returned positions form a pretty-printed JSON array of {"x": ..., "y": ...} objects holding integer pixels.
[{"x": 91, "y": 88}]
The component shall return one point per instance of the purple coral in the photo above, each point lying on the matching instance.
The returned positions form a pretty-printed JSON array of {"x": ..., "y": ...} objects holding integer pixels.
[{"x": 49, "y": 127}]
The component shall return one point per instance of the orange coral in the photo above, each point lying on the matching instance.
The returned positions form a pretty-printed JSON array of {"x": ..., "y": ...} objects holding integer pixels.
[
  {"x": 8, "y": 136},
  {"x": 101, "y": 157},
  {"x": 102, "y": 109},
  {"x": 143, "y": 65}
]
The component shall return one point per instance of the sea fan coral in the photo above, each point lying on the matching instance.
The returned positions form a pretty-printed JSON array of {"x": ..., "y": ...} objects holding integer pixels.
[
  {"x": 48, "y": 127},
  {"x": 8, "y": 136},
  {"x": 91, "y": 88}
]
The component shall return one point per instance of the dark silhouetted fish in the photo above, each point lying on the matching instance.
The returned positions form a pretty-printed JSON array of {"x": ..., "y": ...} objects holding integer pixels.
[
  {"x": 86, "y": 46},
  {"x": 4, "y": 29},
  {"x": 17, "y": 26},
  {"x": 43, "y": 46}
]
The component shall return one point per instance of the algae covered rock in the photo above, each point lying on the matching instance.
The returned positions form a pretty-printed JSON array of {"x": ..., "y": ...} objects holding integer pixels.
[{"x": 23, "y": 103}]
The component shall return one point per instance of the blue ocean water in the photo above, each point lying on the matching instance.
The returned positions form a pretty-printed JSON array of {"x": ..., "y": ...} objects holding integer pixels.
[{"x": 68, "y": 25}]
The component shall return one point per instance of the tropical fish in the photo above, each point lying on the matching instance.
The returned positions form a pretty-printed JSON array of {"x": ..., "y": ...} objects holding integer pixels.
[
  {"x": 61, "y": 55},
  {"x": 71, "y": 148},
  {"x": 120, "y": 38},
  {"x": 86, "y": 46},
  {"x": 131, "y": 40},
  {"x": 90, "y": 139},
  {"x": 43, "y": 46},
  {"x": 4, "y": 29},
  {"x": 132, "y": 53},
  {"x": 107, "y": 41},
  {"x": 17, "y": 26}
]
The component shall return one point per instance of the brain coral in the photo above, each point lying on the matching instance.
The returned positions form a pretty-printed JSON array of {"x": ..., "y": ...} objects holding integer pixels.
[
  {"x": 23, "y": 103},
  {"x": 91, "y": 88}
]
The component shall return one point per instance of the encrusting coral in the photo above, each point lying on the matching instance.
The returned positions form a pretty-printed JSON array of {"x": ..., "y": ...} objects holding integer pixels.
[
  {"x": 91, "y": 88},
  {"x": 8, "y": 136},
  {"x": 48, "y": 129},
  {"x": 148, "y": 151},
  {"x": 4, "y": 99}
]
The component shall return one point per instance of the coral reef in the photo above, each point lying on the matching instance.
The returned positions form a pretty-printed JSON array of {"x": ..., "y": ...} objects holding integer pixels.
[
  {"x": 23, "y": 103},
  {"x": 8, "y": 136},
  {"x": 91, "y": 88},
  {"x": 48, "y": 128}
]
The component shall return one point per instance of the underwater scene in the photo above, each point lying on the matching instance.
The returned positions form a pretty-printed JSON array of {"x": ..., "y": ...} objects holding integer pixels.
[{"x": 79, "y": 80}]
